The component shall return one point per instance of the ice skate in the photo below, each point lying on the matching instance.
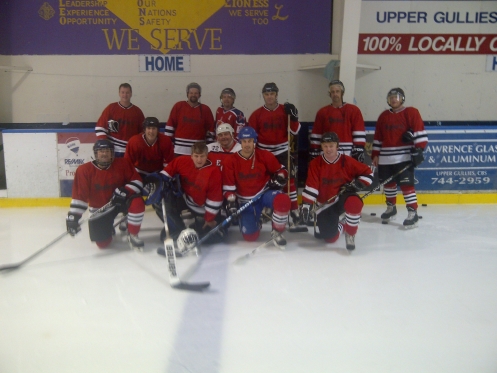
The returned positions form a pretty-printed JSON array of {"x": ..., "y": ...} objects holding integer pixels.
[
  {"x": 389, "y": 214},
  {"x": 295, "y": 224},
  {"x": 135, "y": 242},
  {"x": 349, "y": 241},
  {"x": 278, "y": 239},
  {"x": 412, "y": 219}
]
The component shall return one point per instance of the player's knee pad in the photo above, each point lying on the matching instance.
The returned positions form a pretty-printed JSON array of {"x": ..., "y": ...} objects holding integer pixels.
[
  {"x": 406, "y": 178},
  {"x": 104, "y": 244},
  {"x": 251, "y": 236},
  {"x": 137, "y": 206},
  {"x": 353, "y": 205}
]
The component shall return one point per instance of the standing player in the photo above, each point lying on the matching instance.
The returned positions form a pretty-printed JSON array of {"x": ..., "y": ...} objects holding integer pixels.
[
  {"x": 399, "y": 140},
  {"x": 149, "y": 151},
  {"x": 190, "y": 121},
  {"x": 245, "y": 175},
  {"x": 97, "y": 182},
  {"x": 120, "y": 121},
  {"x": 202, "y": 198},
  {"x": 227, "y": 113},
  {"x": 224, "y": 146},
  {"x": 333, "y": 180},
  {"x": 342, "y": 118},
  {"x": 271, "y": 124}
]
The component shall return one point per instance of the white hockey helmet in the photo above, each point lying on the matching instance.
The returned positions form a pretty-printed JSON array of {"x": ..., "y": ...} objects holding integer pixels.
[
  {"x": 187, "y": 240},
  {"x": 224, "y": 127}
]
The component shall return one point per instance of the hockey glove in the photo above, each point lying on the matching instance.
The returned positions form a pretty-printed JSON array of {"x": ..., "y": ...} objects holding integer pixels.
[
  {"x": 120, "y": 199},
  {"x": 157, "y": 184},
  {"x": 305, "y": 213},
  {"x": 417, "y": 156},
  {"x": 278, "y": 181},
  {"x": 231, "y": 205},
  {"x": 407, "y": 137},
  {"x": 353, "y": 187},
  {"x": 291, "y": 110},
  {"x": 72, "y": 223},
  {"x": 358, "y": 153}
]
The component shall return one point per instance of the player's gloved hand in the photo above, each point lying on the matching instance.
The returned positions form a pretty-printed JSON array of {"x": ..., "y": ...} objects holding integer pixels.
[
  {"x": 72, "y": 223},
  {"x": 407, "y": 137},
  {"x": 305, "y": 213},
  {"x": 354, "y": 186},
  {"x": 113, "y": 125},
  {"x": 278, "y": 181},
  {"x": 156, "y": 184},
  {"x": 358, "y": 153},
  {"x": 291, "y": 110},
  {"x": 231, "y": 205},
  {"x": 417, "y": 156},
  {"x": 120, "y": 198}
]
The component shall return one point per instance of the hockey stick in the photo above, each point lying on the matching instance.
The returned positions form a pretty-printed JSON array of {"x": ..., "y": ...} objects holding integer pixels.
[
  {"x": 17, "y": 265},
  {"x": 174, "y": 279},
  {"x": 288, "y": 158},
  {"x": 244, "y": 258},
  {"x": 386, "y": 181}
]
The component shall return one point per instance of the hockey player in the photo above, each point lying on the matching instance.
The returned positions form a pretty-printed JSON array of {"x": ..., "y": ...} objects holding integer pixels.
[
  {"x": 246, "y": 174},
  {"x": 97, "y": 182},
  {"x": 202, "y": 196},
  {"x": 150, "y": 151},
  {"x": 190, "y": 121},
  {"x": 227, "y": 113},
  {"x": 333, "y": 180},
  {"x": 224, "y": 146},
  {"x": 120, "y": 121},
  {"x": 271, "y": 125},
  {"x": 342, "y": 118},
  {"x": 399, "y": 140}
]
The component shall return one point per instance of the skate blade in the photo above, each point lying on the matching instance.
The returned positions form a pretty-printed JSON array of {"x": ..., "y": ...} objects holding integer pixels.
[
  {"x": 406, "y": 227},
  {"x": 385, "y": 221}
]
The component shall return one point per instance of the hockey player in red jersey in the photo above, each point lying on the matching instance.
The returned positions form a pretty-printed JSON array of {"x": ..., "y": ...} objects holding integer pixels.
[
  {"x": 271, "y": 124},
  {"x": 342, "y": 118},
  {"x": 224, "y": 146},
  {"x": 333, "y": 180},
  {"x": 100, "y": 181},
  {"x": 150, "y": 151},
  {"x": 399, "y": 140},
  {"x": 120, "y": 121},
  {"x": 202, "y": 197},
  {"x": 190, "y": 121},
  {"x": 227, "y": 113},
  {"x": 246, "y": 174}
]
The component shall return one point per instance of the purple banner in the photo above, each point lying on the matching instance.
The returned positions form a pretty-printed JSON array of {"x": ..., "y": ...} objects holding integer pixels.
[{"x": 86, "y": 27}]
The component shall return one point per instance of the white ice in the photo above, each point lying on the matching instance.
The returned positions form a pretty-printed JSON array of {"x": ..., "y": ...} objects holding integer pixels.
[{"x": 421, "y": 300}]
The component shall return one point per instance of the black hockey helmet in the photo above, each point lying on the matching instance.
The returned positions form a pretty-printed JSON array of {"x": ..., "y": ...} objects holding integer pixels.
[
  {"x": 270, "y": 87},
  {"x": 330, "y": 137},
  {"x": 151, "y": 122},
  {"x": 102, "y": 144},
  {"x": 228, "y": 91},
  {"x": 395, "y": 92},
  {"x": 337, "y": 82},
  {"x": 194, "y": 85}
]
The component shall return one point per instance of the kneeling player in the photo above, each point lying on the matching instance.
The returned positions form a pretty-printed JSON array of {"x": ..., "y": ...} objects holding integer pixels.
[
  {"x": 333, "y": 181},
  {"x": 247, "y": 173},
  {"x": 100, "y": 181}
]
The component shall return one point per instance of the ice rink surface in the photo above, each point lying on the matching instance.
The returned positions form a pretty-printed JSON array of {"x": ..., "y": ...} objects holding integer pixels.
[{"x": 421, "y": 300}]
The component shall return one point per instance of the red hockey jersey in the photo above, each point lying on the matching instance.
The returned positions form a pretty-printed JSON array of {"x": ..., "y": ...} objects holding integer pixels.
[
  {"x": 234, "y": 117},
  {"x": 325, "y": 178},
  {"x": 247, "y": 177},
  {"x": 202, "y": 187},
  {"x": 130, "y": 121},
  {"x": 390, "y": 127},
  {"x": 94, "y": 187},
  {"x": 272, "y": 128},
  {"x": 149, "y": 158},
  {"x": 188, "y": 125},
  {"x": 346, "y": 121}
]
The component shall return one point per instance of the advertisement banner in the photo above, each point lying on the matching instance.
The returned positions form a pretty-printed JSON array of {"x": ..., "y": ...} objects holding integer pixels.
[
  {"x": 107, "y": 27},
  {"x": 428, "y": 27}
]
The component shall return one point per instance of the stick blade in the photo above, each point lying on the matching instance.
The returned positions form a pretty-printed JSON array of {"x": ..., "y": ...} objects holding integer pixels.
[
  {"x": 10, "y": 267},
  {"x": 190, "y": 286}
]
